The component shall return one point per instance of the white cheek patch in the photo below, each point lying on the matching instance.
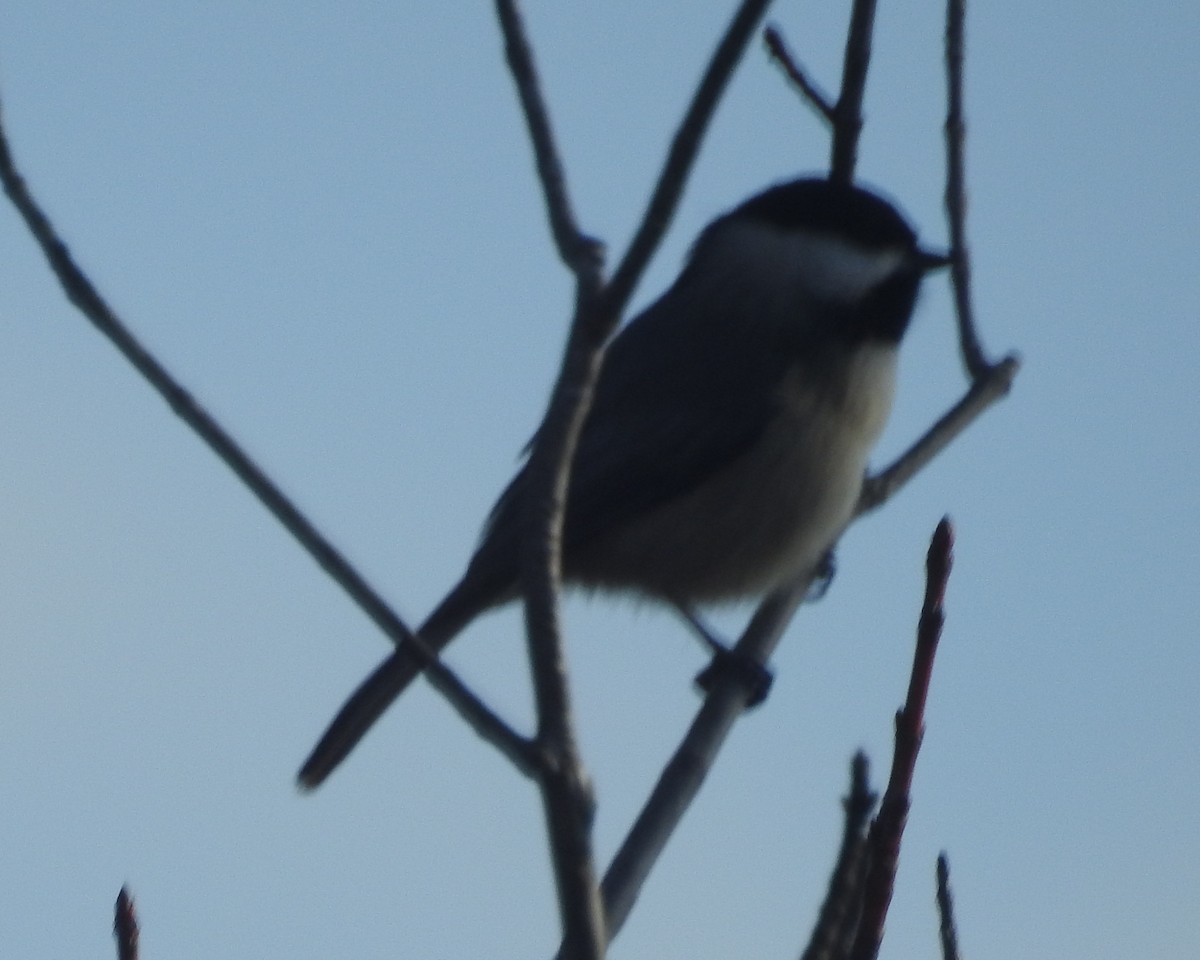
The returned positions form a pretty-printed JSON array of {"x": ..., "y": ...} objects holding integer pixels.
[
  {"x": 835, "y": 269},
  {"x": 829, "y": 268}
]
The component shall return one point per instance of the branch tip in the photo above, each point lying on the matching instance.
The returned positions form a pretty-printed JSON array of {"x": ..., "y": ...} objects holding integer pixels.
[
  {"x": 580, "y": 253},
  {"x": 812, "y": 95},
  {"x": 940, "y": 557},
  {"x": 681, "y": 155},
  {"x": 947, "y": 928},
  {"x": 125, "y": 926}
]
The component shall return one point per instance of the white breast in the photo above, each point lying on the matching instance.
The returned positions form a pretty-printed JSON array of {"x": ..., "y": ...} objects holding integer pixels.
[{"x": 770, "y": 515}]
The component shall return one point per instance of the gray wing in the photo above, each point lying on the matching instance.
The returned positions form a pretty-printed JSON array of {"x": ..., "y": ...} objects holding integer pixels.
[
  {"x": 677, "y": 401},
  {"x": 686, "y": 389}
]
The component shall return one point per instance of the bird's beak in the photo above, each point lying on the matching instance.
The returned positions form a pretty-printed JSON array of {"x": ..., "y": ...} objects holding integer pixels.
[{"x": 928, "y": 261}]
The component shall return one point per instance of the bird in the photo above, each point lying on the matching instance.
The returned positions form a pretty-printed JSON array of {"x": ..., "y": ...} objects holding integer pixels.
[{"x": 730, "y": 427}]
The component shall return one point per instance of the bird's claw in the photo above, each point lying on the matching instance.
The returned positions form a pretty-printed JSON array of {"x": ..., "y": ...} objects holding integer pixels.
[
  {"x": 754, "y": 677},
  {"x": 822, "y": 578}
]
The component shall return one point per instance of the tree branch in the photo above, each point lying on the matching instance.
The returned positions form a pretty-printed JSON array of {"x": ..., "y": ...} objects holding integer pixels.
[
  {"x": 848, "y": 115},
  {"x": 80, "y": 292},
  {"x": 689, "y": 765},
  {"x": 843, "y": 900},
  {"x": 565, "y": 787},
  {"x": 989, "y": 382},
  {"x": 682, "y": 154},
  {"x": 886, "y": 832},
  {"x": 125, "y": 926},
  {"x": 976, "y": 364},
  {"x": 487, "y": 724},
  {"x": 554, "y": 756},
  {"x": 83, "y": 295},
  {"x": 845, "y": 117},
  {"x": 812, "y": 95},
  {"x": 566, "y": 790},
  {"x": 579, "y": 252},
  {"x": 946, "y": 930},
  {"x": 994, "y": 385}
]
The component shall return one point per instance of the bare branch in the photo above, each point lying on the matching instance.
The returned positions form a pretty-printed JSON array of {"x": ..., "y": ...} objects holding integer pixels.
[
  {"x": 993, "y": 386},
  {"x": 88, "y": 301},
  {"x": 682, "y": 154},
  {"x": 886, "y": 832},
  {"x": 565, "y": 787},
  {"x": 566, "y": 790},
  {"x": 845, "y": 118},
  {"x": 956, "y": 194},
  {"x": 125, "y": 926},
  {"x": 520, "y": 751},
  {"x": 947, "y": 932},
  {"x": 685, "y": 773},
  {"x": 84, "y": 296},
  {"x": 848, "y": 115},
  {"x": 579, "y": 252},
  {"x": 838, "y": 918},
  {"x": 813, "y": 96}
]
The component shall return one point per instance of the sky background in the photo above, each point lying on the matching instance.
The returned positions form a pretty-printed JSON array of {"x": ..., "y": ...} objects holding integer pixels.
[{"x": 323, "y": 218}]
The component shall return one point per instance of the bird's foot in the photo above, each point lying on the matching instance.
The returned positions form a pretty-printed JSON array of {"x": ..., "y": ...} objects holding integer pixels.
[
  {"x": 822, "y": 579},
  {"x": 726, "y": 661},
  {"x": 753, "y": 676}
]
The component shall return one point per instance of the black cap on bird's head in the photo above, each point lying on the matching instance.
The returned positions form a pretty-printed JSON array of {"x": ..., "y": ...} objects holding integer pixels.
[
  {"x": 844, "y": 245},
  {"x": 824, "y": 206},
  {"x": 841, "y": 210}
]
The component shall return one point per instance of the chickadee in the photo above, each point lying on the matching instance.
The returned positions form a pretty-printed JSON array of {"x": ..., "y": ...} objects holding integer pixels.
[{"x": 729, "y": 432}]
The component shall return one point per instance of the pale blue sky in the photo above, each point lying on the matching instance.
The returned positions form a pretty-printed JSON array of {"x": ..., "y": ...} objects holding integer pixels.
[{"x": 324, "y": 219}]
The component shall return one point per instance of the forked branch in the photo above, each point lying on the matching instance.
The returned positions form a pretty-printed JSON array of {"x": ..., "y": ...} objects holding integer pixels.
[{"x": 566, "y": 789}]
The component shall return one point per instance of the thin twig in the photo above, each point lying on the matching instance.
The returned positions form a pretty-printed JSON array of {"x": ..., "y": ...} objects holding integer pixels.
[
  {"x": 848, "y": 115},
  {"x": 84, "y": 296},
  {"x": 947, "y": 931},
  {"x": 888, "y": 828},
  {"x": 82, "y": 293},
  {"x": 125, "y": 926},
  {"x": 682, "y": 154},
  {"x": 688, "y": 767},
  {"x": 579, "y": 252},
  {"x": 956, "y": 194},
  {"x": 989, "y": 382},
  {"x": 487, "y": 724},
  {"x": 812, "y": 94},
  {"x": 994, "y": 385},
  {"x": 839, "y": 912}
]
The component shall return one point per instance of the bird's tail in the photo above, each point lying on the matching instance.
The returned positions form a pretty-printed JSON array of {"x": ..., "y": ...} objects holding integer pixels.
[{"x": 390, "y": 679}]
